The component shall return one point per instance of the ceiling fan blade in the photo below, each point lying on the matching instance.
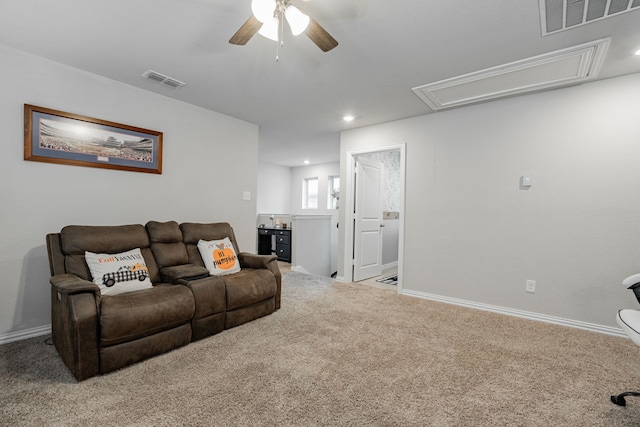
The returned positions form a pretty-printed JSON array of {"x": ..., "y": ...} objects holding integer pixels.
[
  {"x": 320, "y": 36},
  {"x": 244, "y": 33}
]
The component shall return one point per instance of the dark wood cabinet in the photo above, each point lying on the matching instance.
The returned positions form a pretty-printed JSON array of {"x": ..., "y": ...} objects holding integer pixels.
[{"x": 275, "y": 241}]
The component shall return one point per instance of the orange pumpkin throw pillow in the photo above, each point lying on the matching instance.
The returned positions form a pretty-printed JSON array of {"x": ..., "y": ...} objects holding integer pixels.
[{"x": 219, "y": 256}]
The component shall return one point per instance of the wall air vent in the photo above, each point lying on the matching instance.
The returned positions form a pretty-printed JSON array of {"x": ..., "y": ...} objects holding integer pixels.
[
  {"x": 559, "y": 15},
  {"x": 564, "y": 67},
  {"x": 162, "y": 79}
]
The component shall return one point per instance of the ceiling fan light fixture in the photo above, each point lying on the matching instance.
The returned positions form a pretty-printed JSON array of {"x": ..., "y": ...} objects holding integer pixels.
[
  {"x": 263, "y": 10},
  {"x": 297, "y": 20},
  {"x": 270, "y": 29},
  {"x": 268, "y": 19}
]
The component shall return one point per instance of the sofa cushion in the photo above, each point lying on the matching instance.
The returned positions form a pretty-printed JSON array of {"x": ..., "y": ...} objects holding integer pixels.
[
  {"x": 166, "y": 243},
  {"x": 75, "y": 240},
  {"x": 127, "y": 317},
  {"x": 164, "y": 232},
  {"x": 118, "y": 273},
  {"x": 219, "y": 256},
  {"x": 249, "y": 286},
  {"x": 193, "y": 232}
]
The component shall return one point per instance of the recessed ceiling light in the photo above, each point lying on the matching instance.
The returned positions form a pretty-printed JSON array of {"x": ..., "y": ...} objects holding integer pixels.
[
  {"x": 306, "y": 162},
  {"x": 348, "y": 118},
  {"x": 638, "y": 52}
]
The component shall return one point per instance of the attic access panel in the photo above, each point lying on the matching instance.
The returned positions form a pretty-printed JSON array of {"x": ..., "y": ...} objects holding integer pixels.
[
  {"x": 565, "y": 67},
  {"x": 559, "y": 15}
]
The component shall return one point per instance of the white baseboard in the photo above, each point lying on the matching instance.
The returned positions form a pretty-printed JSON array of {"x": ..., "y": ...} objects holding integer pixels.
[
  {"x": 593, "y": 327},
  {"x": 23, "y": 335},
  {"x": 299, "y": 269},
  {"x": 390, "y": 265}
]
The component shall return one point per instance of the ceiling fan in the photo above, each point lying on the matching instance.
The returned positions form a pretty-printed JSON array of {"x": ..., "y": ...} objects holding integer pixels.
[{"x": 267, "y": 20}]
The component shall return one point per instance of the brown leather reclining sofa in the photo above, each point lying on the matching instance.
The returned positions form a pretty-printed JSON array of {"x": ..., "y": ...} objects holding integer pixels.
[{"x": 96, "y": 334}]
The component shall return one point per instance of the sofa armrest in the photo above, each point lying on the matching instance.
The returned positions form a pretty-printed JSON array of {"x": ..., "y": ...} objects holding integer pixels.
[
  {"x": 70, "y": 284},
  {"x": 175, "y": 273},
  {"x": 270, "y": 262},
  {"x": 209, "y": 294},
  {"x": 74, "y": 323},
  {"x": 249, "y": 260}
]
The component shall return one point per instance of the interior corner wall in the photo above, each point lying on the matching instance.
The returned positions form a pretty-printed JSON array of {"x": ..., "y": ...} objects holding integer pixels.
[
  {"x": 274, "y": 189},
  {"x": 321, "y": 171},
  {"x": 472, "y": 233},
  {"x": 209, "y": 160}
]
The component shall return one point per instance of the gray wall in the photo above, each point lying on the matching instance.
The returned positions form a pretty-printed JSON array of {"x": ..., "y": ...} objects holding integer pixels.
[
  {"x": 274, "y": 188},
  {"x": 471, "y": 233},
  {"x": 39, "y": 198}
]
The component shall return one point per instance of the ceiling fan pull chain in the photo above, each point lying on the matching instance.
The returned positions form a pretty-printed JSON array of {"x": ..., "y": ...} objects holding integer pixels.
[
  {"x": 281, "y": 27},
  {"x": 280, "y": 42},
  {"x": 277, "y": 51}
]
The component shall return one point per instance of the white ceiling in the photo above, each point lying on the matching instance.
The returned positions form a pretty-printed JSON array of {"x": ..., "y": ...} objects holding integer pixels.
[{"x": 386, "y": 49}]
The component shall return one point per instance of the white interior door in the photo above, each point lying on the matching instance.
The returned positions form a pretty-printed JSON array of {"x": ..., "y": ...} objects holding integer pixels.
[{"x": 367, "y": 244}]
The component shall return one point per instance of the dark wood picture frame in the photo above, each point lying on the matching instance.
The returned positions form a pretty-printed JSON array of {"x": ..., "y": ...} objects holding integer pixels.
[{"x": 54, "y": 136}]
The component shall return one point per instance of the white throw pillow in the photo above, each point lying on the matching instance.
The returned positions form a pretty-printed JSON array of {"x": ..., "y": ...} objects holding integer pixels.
[
  {"x": 219, "y": 256},
  {"x": 119, "y": 273}
]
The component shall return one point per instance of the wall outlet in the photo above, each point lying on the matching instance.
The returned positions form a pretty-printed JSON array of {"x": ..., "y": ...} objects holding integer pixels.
[{"x": 530, "y": 286}]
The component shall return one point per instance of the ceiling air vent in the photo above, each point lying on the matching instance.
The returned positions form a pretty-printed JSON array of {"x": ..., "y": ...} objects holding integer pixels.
[
  {"x": 162, "y": 79},
  {"x": 564, "y": 67},
  {"x": 559, "y": 15}
]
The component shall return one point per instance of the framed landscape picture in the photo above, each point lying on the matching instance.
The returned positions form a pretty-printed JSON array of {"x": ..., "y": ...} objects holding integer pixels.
[{"x": 54, "y": 136}]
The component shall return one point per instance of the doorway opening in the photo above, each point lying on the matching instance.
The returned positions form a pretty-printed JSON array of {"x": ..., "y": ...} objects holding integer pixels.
[{"x": 394, "y": 159}]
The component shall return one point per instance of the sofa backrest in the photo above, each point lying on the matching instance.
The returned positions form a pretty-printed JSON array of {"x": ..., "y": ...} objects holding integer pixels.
[
  {"x": 166, "y": 243},
  {"x": 193, "y": 232},
  {"x": 163, "y": 244},
  {"x": 76, "y": 239}
]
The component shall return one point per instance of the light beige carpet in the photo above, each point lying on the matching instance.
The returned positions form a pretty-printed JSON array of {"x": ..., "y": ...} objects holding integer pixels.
[{"x": 343, "y": 355}]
